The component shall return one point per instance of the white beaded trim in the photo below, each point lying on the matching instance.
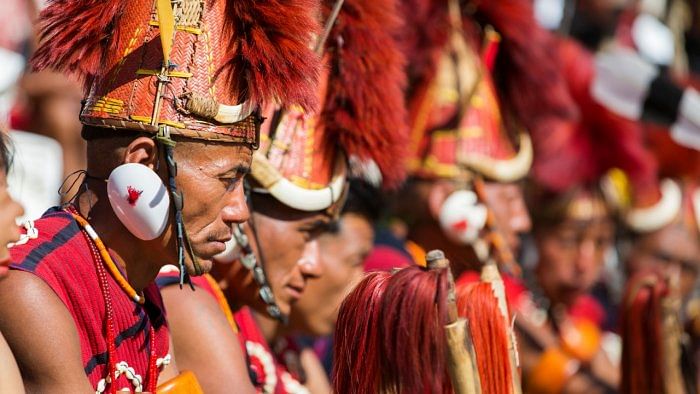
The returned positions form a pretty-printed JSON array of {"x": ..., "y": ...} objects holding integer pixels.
[
  {"x": 292, "y": 385},
  {"x": 135, "y": 379},
  {"x": 258, "y": 351},
  {"x": 31, "y": 233}
]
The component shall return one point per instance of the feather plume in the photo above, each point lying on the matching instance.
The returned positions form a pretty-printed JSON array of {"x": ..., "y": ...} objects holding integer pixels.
[
  {"x": 423, "y": 45},
  {"x": 75, "y": 35},
  {"x": 271, "y": 55},
  {"x": 414, "y": 346},
  {"x": 642, "y": 335},
  {"x": 477, "y": 302},
  {"x": 364, "y": 108},
  {"x": 390, "y": 337},
  {"x": 531, "y": 85},
  {"x": 357, "y": 339}
]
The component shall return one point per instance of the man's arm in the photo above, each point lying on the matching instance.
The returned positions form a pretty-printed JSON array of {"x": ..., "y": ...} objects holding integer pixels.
[
  {"x": 204, "y": 341},
  {"x": 42, "y": 336}
]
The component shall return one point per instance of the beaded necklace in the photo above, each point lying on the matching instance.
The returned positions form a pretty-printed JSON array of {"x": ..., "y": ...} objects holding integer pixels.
[
  {"x": 105, "y": 257},
  {"x": 101, "y": 257}
]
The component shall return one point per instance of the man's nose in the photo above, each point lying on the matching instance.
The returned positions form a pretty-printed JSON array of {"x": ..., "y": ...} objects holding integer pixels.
[
  {"x": 310, "y": 261},
  {"x": 519, "y": 221},
  {"x": 236, "y": 208},
  {"x": 587, "y": 253}
]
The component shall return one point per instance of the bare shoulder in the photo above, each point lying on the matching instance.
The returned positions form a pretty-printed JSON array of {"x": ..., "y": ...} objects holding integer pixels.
[
  {"x": 38, "y": 327},
  {"x": 204, "y": 341}
]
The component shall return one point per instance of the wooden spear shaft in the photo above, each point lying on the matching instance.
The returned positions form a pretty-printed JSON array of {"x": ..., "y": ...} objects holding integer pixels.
[{"x": 460, "y": 358}]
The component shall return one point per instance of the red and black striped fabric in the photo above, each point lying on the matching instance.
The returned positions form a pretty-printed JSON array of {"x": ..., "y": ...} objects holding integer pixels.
[{"x": 61, "y": 257}]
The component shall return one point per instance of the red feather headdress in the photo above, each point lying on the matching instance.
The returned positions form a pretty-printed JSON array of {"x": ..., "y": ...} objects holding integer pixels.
[
  {"x": 303, "y": 155},
  {"x": 268, "y": 56},
  {"x": 531, "y": 93},
  {"x": 364, "y": 108},
  {"x": 598, "y": 141},
  {"x": 203, "y": 68},
  {"x": 531, "y": 86}
]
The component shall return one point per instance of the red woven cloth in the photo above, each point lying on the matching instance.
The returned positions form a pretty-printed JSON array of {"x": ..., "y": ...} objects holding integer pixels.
[
  {"x": 61, "y": 257},
  {"x": 269, "y": 376}
]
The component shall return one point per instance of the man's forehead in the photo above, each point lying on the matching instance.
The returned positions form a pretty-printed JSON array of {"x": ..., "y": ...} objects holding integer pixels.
[{"x": 218, "y": 154}]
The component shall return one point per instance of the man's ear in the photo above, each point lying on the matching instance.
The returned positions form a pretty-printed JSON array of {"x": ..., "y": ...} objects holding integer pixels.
[
  {"x": 142, "y": 150},
  {"x": 439, "y": 191}
]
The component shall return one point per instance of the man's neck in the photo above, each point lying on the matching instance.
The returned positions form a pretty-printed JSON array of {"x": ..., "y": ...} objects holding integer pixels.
[
  {"x": 141, "y": 262},
  {"x": 270, "y": 328}
]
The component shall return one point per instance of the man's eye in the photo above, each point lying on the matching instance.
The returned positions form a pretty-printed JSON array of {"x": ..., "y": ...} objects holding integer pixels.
[
  {"x": 231, "y": 183},
  {"x": 315, "y": 229}
]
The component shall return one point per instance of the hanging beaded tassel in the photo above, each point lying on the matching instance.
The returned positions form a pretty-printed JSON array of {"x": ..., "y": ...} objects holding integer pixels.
[{"x": 250, "y": 261}]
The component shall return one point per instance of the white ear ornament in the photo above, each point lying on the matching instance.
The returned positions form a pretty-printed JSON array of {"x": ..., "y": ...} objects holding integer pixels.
[
  {"x": 139, "y": 199},
  {"x": 462, "y": 217}
]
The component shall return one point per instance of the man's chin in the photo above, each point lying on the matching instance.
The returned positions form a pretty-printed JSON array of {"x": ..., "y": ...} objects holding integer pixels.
[{"x": 203, "y": 266}]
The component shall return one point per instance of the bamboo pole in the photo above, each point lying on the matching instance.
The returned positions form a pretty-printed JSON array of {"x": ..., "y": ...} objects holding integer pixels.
[
  {"x": 460, "y": 358},
  {"x": 671, "y": 341}
]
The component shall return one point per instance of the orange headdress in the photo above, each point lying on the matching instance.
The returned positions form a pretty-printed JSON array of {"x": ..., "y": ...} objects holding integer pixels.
[
  {"x": 303, "y": 157},
  {"x": 200, "y": 67},
  {"x": 471, "y": 88}
]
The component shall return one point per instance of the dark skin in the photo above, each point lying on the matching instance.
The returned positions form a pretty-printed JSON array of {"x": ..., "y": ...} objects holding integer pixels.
[
  {"x": 343, "y": 253},
  {"x": 9, "y": 211},
  {"x": 199, "y": 313},
  {"x": 42, "y": 327},
  {"x": 674, "y": 248},
  {"x": 571, "y": 256},
  {"x": 289, "y": 240}
]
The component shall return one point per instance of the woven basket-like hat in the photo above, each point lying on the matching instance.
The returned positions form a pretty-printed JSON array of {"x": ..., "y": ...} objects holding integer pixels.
[{"x": 202, "y": 67}]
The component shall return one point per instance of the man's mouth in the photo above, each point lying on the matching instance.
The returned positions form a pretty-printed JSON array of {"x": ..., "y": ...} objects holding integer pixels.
[
  {"x": 217, "y": 244},
  {"x": 295, "y": 291}
]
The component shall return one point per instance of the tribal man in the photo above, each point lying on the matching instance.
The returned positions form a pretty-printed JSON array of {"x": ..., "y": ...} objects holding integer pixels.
[
  {"x": 297, "y": 189},
  {"x": 171, "y": 122}
]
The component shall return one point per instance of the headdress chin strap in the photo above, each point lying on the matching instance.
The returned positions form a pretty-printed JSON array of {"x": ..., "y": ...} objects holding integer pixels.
[
  {"x": 257, "y": 267},
  {"x": 183, "y": 241}
]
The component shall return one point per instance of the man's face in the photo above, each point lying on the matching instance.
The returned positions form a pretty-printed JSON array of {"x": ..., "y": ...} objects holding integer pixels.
[
  {"x": 210, "y": 178},
  {"x": 673, "y": 249},
  {"x": 342, "y": 256},
  {"x": 507, "y": 203},
  {"x": 288, "y": 246},
  {"x": 571, "y": 256}
]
